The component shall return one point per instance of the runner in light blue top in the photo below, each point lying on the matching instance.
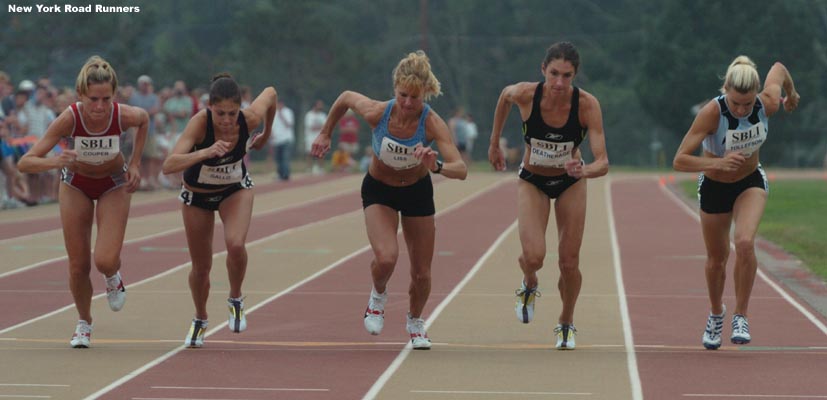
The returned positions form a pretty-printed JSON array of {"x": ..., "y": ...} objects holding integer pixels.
[
  {"x": 384, "y": 141},
  {"x": 732, "y": 186},
  {"x": 399, "y": 182}
]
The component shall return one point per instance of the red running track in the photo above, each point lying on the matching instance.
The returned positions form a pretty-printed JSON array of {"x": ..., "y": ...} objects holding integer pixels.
[
  {"x": 662, "y": 256},
  {"x": 346, "y": 371}
]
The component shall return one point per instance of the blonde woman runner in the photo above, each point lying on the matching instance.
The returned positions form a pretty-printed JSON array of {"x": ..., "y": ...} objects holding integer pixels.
[{"x": 398, "y": 182}]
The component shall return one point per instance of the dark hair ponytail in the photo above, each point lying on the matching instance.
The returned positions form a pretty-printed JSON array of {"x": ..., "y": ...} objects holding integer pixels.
[{"x": 224, "y": 87}]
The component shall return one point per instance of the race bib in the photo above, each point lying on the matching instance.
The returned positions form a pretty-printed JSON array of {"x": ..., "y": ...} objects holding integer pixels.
[
  {"x": 550, "y": 154},
  {"x": 747, "y": 141},
  {"x": 397, "y": 156},
  {"x": 221, "y": 174},
  {"x": 97, "y": 150}
]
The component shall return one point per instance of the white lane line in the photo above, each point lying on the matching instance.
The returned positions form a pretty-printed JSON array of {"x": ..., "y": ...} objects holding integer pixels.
[
  {"x": 756, "y": 396},
  {"x": 385, "y": 377},
  {"x": 812, "y": 318},
  {"x": 628, "y": 340},
  {"x": 239, "y": 389},
  {"x": 483, "y": 392},
  {"x": 178, "y": 268},
  {"x": 31, "y": 385},
  {"x": 181, "y": 398},
  {"x": 166, "y": 232},
  {"x": 175, "y": 351},
  {"x": 310, "y": 278}
]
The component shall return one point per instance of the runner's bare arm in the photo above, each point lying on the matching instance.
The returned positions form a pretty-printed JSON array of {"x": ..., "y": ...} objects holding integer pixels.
[
  {"x": 34, "y": 162},
  {"x": 686, "y": 160},
  {"x": 182, "y": 156}
]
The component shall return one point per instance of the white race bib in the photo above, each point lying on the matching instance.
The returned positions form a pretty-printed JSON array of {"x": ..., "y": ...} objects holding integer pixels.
[
  {"x": 97, "y": 150},
  {"x": 397, "y": 156},
  {"x": 550, "y": 154},
  {"x": 221, "y": 174},
  {"x": 747, "y": 141}
]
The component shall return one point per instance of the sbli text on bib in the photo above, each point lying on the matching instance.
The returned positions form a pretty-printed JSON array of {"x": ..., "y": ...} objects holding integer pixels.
[
  {"x": 221, "y": 174},
  {"x": 396, "y": 155},
  {"x": 97, "y": 150},
  {"x": 550, "y": 154},
  {"x": 746, "y": 141}
]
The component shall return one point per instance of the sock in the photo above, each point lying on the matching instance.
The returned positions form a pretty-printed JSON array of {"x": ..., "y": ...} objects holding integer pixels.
[{"x": 113, "y": 281}]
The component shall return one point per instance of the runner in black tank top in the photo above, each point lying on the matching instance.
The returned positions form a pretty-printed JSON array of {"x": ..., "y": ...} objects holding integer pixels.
[
  {"x": 217, "y": 180},
  {"x": 536, "y": 128},
  {"x": 553, "y": 151},
  {"x": 233, "y": 159}
]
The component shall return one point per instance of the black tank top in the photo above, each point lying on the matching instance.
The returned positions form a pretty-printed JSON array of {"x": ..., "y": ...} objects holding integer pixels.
[
  {"x": 236, "y": 155},
  {"x": 536, "y": 128}
]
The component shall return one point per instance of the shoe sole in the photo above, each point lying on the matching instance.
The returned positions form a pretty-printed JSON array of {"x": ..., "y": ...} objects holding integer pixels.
[
  {"x": 711, "y": 346},
  {"x": 741, "y": 341},
  {"x": 421, "y": 347}
]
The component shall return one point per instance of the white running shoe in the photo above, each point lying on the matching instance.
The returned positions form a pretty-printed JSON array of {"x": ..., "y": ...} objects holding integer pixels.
[
  {"x": 195, "y": 336},
  {"x": 525, "y": 303},
  {"x": 419, "y": 338},
  {"x": 375, "y": 312},
  {"x": 740, "y": 330},
  {"x": 712, "y": 334},
  {"x": 237, "y": 319},
  {"x": 82, "y": 338},
  {"x": 115, "y": 292},
  {"x": 565, "y": 336}
]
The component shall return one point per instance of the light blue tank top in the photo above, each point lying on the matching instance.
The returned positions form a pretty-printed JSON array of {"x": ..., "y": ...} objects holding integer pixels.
[
  {"x": 381, "y": 130},
  {"x": 728, "y": 124}
]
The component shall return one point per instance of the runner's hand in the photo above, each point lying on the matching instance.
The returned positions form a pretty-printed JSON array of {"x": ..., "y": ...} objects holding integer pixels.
[
  {"x": 731, "y": 162},
  {"x": 496, "y": 158},
  {"x": 791, "y": 101},
  {"x": 133, "y": 179},
  {"x": 218, "y": 149},
  {"x": 320, "y": 147},
  {"x": 66, "y": 158},
  {"x": 257, "y": 142},
  {"x": 426, "y": 155},
  {"x": 575, "y": 168}
]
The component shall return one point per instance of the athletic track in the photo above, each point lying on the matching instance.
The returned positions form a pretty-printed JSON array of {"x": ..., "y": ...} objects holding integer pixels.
[{"x": 640, "y": 314}]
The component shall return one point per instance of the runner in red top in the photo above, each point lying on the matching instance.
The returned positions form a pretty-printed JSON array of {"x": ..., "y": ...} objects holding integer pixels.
[{"x": 93, "y": 170}]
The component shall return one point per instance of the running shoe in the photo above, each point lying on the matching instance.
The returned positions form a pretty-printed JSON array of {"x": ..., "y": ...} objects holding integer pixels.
[
  {"x": 375, "y": 312},
  {"x": 195, "y": 337},
  {"x": 525, "y": 303},
  {"x": 82, "y": 338},
  {"x": 115, "y": 292},
  {"x": 712, "y": 333},
  {"x": 740, "y": 330},
  {"x": 419, "y": 338},
  {"x": 565, "y": 336},
  {"x": 237, "y": 319}
]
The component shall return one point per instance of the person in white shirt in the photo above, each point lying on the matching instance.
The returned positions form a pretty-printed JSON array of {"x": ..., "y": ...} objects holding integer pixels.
[
  {"x": 283, "y": 140},
  {"x": 313, "y": 122}
]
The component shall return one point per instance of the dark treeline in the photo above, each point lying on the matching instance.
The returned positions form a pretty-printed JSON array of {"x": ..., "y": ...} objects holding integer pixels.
[{"x": 649, "y": 62}]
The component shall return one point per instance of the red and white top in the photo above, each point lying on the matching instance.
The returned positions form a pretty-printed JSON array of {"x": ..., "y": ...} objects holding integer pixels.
[{"x": 96, "y": 147}]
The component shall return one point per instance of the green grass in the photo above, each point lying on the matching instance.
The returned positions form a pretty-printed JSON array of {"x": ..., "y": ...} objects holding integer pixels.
[{"x": 795, "y": 219}]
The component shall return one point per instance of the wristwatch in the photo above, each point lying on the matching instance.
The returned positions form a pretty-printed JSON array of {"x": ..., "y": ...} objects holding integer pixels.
[{"x": 438, "y": 167}]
